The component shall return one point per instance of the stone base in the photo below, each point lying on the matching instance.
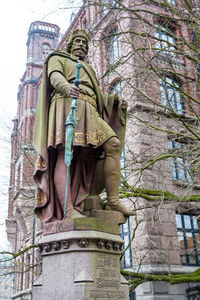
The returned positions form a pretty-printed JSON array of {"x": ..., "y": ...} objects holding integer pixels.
[
  {"x": 98, "y": 221},
  {"x": 81, "y": 264}
]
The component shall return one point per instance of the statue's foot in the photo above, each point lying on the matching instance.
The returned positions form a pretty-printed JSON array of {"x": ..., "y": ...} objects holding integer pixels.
[
  {"x": 73, "y": 214},
  {"x": 116, "y": 205}
]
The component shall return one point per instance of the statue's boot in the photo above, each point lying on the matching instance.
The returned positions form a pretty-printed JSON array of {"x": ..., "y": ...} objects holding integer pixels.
[
  {"x": 74, "y": 214},
  {"x": 111, "y": 172},
  {"x": 115, "y": 204}
]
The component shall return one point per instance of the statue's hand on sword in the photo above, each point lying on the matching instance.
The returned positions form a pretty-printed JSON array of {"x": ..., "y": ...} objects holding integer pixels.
[{"x": 73, "y": 92}]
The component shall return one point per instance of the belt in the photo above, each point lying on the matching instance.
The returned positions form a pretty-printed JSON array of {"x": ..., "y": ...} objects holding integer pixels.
[
  {"x": 81, "y": 97},
  {"x": 87, "y": 99}
]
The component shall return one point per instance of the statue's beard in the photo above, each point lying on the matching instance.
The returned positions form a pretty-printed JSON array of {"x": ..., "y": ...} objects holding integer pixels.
[{"x": 79, "y": 52}]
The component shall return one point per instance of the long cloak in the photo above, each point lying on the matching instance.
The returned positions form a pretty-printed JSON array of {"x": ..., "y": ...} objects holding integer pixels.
[{"x": 110, "y": 109}]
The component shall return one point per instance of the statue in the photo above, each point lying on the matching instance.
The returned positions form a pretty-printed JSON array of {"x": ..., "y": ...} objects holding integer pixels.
[{"x": 98, "y": 136}]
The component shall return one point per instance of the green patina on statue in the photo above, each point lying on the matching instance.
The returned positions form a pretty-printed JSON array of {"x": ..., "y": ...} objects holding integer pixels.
[{"x": 98, "y": 136}]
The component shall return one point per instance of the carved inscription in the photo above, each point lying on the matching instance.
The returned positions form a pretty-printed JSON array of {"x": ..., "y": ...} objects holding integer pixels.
[
  {"x": 107, "y": 283},
  {"x": 107, "y": 294},
  {"x": 106, "y": 272},
  {"x": 107, "y": 261}
]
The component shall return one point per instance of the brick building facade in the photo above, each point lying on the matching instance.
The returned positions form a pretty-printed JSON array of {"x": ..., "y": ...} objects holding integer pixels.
[{"x": 133, "y": 50}]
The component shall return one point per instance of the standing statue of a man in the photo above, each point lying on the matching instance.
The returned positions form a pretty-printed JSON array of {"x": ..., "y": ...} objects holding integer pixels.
[{"x": 98, "y": 136}]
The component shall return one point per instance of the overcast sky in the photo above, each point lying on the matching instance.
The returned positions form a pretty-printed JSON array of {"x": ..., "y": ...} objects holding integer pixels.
[{"x": 15, "y": 19}]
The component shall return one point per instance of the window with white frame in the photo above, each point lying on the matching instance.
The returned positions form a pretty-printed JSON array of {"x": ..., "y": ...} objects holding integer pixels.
[
  {"x": 189, "y": 238},
  {"x": 180, "y": 166},
  {"x": 112, "y": 46},
  {"x": 170, "y": 95},
  {"x": 126, "y": 236},
  {"x": 165, "y": 41}
]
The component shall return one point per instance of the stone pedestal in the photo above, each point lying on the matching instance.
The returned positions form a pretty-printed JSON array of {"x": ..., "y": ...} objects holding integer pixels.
[{"x": 81, "y": 261}]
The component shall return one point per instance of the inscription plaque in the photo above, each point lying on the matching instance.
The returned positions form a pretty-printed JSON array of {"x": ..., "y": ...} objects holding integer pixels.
[
  {"x": 107, "y": 279},
  {"x": 106, "y": 272}
]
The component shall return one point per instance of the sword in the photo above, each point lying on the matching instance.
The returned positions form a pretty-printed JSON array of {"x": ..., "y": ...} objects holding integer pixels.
[{"x": 70, "y": 124}]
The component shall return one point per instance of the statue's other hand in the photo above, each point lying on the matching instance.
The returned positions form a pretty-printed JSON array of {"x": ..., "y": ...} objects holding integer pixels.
[{"x": 73, "y": 92}]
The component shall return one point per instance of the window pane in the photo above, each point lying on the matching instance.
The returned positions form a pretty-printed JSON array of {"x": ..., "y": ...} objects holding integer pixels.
[
  {"x": 182, "y": 247},
  {"x": 189, "y": 239},
  {"x": 103, "y": 8},
  {"x": 126, "y": 261},
  {"x": 178, "y": 103},
  {"x": 187, "y": 221},
  {"x": 180, "y": 168},
  {"x": 168, "y": 80},
  {"x": 197, "y": 240},
  {"x": 126, "y": 240},
  {"x": 181, "y": 239},
  {"x": 187, "y": 171},
  {"x": 173, "y": 169},
  {"x": 171, "y": 96},
  {"x": 166, "y": 40},
  {"x": 113, "y": 47},
  {"x": 195, "y": 224},
  {"x": 163, "y": 97},
  {"x": 127, "y": 258},
  {"x": 177, "y": 145},
  {"x": 178, "y": 221},
  {"x": 125, "y": 227}
]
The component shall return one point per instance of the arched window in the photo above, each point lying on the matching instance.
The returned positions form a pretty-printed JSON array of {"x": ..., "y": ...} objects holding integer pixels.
[
  {"x": 166, "y": 42},
  {"x": 45, "y": 51}
]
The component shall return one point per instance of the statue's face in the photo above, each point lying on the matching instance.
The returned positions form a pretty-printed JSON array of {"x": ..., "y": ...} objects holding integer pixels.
[{"x": 79, "y": 47}]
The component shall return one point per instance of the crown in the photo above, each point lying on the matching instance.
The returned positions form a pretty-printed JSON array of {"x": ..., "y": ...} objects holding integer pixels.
[
  {"x": 76, "y": 33},
  {"x": 79, "y": 32}
]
